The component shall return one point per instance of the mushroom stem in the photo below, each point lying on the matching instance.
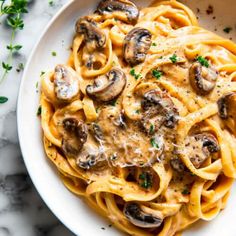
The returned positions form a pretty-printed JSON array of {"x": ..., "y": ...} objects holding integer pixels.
[{"x": 137, "y": 217}]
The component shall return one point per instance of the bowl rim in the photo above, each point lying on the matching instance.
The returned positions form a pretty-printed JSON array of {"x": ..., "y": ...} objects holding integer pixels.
[{"x": 18, "y": 111}]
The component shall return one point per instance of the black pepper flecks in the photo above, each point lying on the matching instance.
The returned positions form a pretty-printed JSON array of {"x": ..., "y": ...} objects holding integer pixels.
[{"x": 210, "y": 10}]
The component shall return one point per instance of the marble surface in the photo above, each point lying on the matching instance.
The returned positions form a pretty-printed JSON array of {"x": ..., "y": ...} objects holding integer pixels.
[{"x": 22, "y": 211}]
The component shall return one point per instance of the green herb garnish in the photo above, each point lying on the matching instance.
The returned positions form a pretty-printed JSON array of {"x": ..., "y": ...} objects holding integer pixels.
[
  {"x": 54, "y": 53},
  {"x": 173, "y": 58},
  {"x": 113, "y": 102},
  {"x": 146, "y": 180},
  {"x": 13, "y": 10},
  {"x": 39, "y": 111},
  {"x": 137, "y": 111},
  {"x": 203, "y": 61},
  {"x": 185, "y": 191},
  {"x": 42, "y": 73},
  {"x": 51, "y": 3},
  {"x": 157, "y": 73},
  {"x": 227, "y": 30},
  {"x": 154, "y": 44},
  {"x": 153, "y": 143},
  {"x": 133, "y": 73},
  {"x": 3, "y": 100},
  {"x": 151, "y": 129}
]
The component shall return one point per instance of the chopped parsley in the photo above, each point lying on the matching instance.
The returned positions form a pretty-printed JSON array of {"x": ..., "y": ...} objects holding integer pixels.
[
  {"x": 113, "y": 102},
  {"x": 152, "y": 129},
  {"x": 51, "y": 3},
  {"x": 154, "y": 44},
  {"x": 153, "y": 143},
  {"x": 137, "y": 111},
  {"x": 157, "y": 74},
  {"x": 227, "y": 30},
  {"x": 134, "y": 74},
  {"x": 173, "y": 58},
  {"x": 146, "y": 180},
  {"x": 203, "y": 61},
  {"x": 42, "y": 73},
  {"x": 186, "y": 191},
  {"x": 39, "y": 111},
  {"x": 54, "y": 54},
  {"x": 3, "y": 100}
]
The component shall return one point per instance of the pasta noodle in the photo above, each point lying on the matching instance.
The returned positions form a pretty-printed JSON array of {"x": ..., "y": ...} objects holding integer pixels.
[{"x": 141, "y": 120}]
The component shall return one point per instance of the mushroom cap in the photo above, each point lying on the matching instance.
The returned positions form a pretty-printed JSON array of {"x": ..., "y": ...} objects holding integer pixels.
[
  {"x": 93, "y": 35},
  {"x": 200, "y": 146},
  {"x": 107, "y": 87},
  {"x": 227, "y": 110},
  {"x": 202, "y": 79},
  {"x": 227, "y": 105},
  {"x": 136, "y": 45},
  {"x": 159, "y": 110},
  {"x": 124, "y": 10},
  {"x": 138, "y": 217},
  {"x": 66, "y": 83},
  {"x": 74, "y": 136},
  {"x": 90, "y": 156}
]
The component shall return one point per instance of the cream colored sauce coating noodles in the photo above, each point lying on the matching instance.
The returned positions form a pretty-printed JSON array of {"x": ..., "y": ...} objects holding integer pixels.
[{"x": 140, "y": 121}]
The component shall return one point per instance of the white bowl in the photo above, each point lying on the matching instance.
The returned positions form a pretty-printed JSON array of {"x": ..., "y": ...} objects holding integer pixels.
[{"x": 57, "y": 37}]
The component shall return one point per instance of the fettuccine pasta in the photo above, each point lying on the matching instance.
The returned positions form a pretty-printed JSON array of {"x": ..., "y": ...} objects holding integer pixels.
[{"x": 140, "y": 122}]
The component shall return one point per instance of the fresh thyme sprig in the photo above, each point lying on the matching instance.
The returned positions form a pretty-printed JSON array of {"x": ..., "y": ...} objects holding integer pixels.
[{"x": 13, "y": 12}]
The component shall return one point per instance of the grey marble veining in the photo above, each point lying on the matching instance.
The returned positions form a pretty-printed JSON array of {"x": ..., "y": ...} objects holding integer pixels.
[{"x": 22, "y": 211}]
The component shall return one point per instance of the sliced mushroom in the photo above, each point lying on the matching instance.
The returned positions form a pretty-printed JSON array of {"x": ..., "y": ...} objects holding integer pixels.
[
  {"x": 66, "y": 83},
  {"x": 199, "y": 147},
  {"x": 74, "y": 137},
  {"x": 136, "y": 45},
  {"x": 140, "y": 218},
  {"x": 93, "y": 35},
  {"x": 120, "y": 9},
  {"x": 159, "y": 110},
  {"x": 90, "y": 156},
  {"x": 97, "y": 132},
  {"x": 227, "y": 110},
  {"x": 107, "y": 87},
  {"x": 202, "y": 79}
]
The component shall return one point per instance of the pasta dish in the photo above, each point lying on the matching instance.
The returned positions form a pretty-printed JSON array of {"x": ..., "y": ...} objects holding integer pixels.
[{"x": 141, "y": 120}]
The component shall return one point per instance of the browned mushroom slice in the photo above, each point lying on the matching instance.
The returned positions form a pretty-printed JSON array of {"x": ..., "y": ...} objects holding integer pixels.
[
  {"x": 140, "y": 218},
  {"x": 107, "y": 87},
  {"x": 136, "y": 45},
  {"x": 202, "y": 79},
  {"x": 93, "y": 35},
  {"x": 227, "y": 110},
  {"x": 159, "y": 110},
  {"x": 66, "y": 83},
  {"x": 120, "y": 9},
  {"x": 74, "y": 136},
  {"x": 199, "y": 147},
  {"x": 90, "y": 157}
]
